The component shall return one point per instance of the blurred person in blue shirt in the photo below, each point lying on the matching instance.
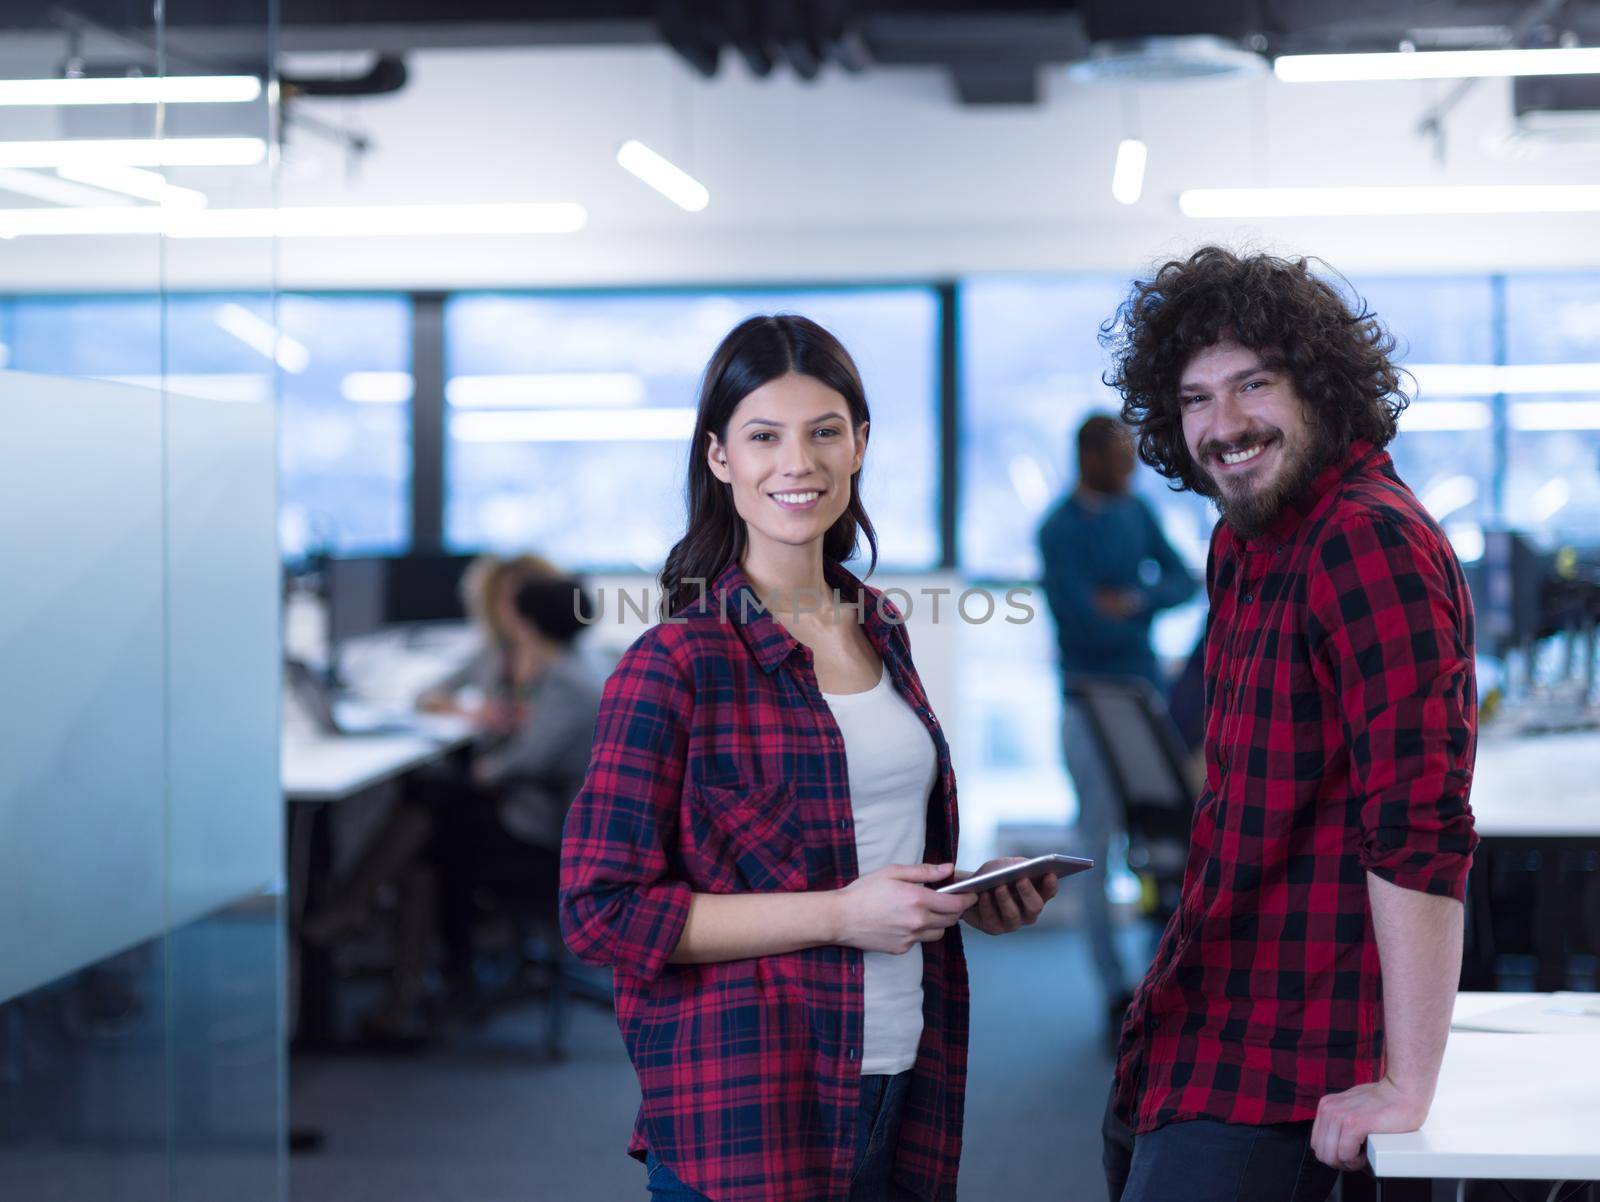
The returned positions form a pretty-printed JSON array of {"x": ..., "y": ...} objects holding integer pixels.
[{"x": 1108, "y": 570}]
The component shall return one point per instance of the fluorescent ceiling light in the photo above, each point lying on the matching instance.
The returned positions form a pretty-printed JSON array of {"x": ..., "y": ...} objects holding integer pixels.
[
  {"x": 1555, "y": 415},
  {"x": 1386, "y": 201},
  {"x": 1550, "y": 499},
  {"x": 665, "y": 176},
  {"x": 1467, "y": 538},
  {"x": 1127, "y": 179},
  {"x": 346, "y": 221},
  {"x": 1435, "y": 64},
  {"x": 1029, "y": 483},
  {"x": 177, "y": 89},
  {"x": 377, "y": 387},
  {"x": 56, "y": 191},
  {"x": 574, "y": 425},
  {"x": 564, "y": 390},
  {"x": 263, "y": 337},
  {"x": 1445, "y": 415},
  {"x": 233, "y": 387},
  {"x": 1444, "y": 497},
  {"x": 1490, "y": 379},
  {"x": 135, "y": 152},
  {"x": 135, "y": 181}
]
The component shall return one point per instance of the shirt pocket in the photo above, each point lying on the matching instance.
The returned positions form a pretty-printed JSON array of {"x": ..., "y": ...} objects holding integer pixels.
[{"x": 745, "y": 839}]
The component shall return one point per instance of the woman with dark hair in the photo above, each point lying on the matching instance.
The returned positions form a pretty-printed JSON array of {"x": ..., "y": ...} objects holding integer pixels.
[{"x": 768, "y": 798}]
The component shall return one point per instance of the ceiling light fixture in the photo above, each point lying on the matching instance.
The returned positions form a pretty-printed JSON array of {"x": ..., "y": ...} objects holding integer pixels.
[
  {"x": 1435, "y": 64},
  {"x": 1387, "y": 201},
  {"x": 1555, "y": 415},
  {"x": 1436, "y": 416},
  {"x": 1127, "y": 178},
  {"x": 135, "y": 152},
  {"x": 131, "y": 89},
  {"x": 1494, "y": 379},
  {"x": 665, "y": 176},
  {"x": 261, "y": 336},
  {"x": 56, "y": 191},
  {"x": 135, "y": 181},
  {"x": 574, "y": 425},
  {"x": 377, "y": 387},
  {"x": 346, "y": 221},
  {"x": 547, "y": 390}
]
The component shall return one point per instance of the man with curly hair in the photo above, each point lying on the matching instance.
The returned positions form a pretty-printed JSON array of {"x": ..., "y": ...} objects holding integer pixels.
[{"x": 1301, "y": 995}]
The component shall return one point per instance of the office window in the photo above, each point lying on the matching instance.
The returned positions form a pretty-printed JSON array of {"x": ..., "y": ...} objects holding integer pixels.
[
  {"x": 345, "y": 436},
  {"x": 344, "y": 378},
  {"x": 1032, "y": 371},
  {"x": 1553, "y": 415},
  {"x": 1444, "y": 329},
  {"x": 568, "y": 418}
]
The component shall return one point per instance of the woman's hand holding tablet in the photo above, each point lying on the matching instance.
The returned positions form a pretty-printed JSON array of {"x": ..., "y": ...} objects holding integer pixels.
[{"x": 1012, "y": 892}]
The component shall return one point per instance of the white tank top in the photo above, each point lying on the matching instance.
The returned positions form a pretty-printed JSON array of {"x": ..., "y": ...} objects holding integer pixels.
[{"x": 891, "y": 765}]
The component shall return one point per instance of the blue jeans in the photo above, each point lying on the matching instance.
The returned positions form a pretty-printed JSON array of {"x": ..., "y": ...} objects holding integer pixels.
[
  {"x": 883, "y": 1100},
  {"x": 1206, "y": 1161}
]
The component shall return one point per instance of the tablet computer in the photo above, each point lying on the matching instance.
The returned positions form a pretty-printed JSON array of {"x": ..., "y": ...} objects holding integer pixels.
[{"x": 1051, "y": 865}]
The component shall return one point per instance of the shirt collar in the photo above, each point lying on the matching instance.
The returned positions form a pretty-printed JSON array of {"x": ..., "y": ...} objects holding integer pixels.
[
  {"x": 1311, "y": 500},
  {"x": 734, "y": 600}
]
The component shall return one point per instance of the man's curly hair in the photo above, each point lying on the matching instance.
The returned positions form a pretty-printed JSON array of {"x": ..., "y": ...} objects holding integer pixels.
[{"x": 1336, "y": 355}]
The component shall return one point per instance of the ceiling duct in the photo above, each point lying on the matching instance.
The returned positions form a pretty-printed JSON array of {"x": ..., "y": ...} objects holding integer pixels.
[
  {"x": 1165, "y": 60},
  {"x": 1166, "y": 40},
  {"x": 805, "y": 34}
]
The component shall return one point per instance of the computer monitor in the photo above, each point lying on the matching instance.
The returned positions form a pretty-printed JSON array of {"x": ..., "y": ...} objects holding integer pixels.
[
  {"x": 426, "y": 588},
  {"x": 356, "y": 594},
  {"x": 1513, "y": 575}
]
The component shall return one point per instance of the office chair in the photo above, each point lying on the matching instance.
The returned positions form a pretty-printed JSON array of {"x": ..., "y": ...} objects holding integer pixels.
[
  {"x": 533, "y": 963},
  {"x": 1144, "y": 757}
]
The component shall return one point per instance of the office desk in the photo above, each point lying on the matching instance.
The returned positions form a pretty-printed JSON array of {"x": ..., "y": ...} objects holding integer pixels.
[
  {"x": 1508, "y": 1107},
  {"x": 1538, "y": 787},
  {"x": 1539, "y": 793},
  {"x": 317, "y": 769}
]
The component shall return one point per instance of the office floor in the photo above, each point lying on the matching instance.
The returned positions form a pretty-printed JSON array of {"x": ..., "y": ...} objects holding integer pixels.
[{"x": 487, "y": 1119}]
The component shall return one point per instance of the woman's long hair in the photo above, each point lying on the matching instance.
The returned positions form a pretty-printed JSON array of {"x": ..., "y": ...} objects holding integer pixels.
[{"x": 757, "y": 351}]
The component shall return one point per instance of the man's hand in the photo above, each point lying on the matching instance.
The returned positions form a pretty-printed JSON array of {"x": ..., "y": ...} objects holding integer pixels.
[
  {"x": 1118, "y": 603},
  {"x": 1009, "y": 907},
  {"x": 1344, "y": 1120}
]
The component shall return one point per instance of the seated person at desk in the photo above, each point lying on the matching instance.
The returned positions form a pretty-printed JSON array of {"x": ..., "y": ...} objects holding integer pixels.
[
  {"x": 500, "y": 824},
  {"x": 487, "y": 588}
]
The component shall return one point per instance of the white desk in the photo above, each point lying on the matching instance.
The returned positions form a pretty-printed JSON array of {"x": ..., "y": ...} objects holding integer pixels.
[
  {"x": 1537, "y": 786},
  {"x": 317, "y": 767},
  {"x": 1508, "y": 1106}
]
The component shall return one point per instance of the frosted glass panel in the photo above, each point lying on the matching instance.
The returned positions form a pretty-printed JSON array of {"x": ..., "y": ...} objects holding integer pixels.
[
  {"x": 223, "y": 662},
  {"x": 82, "y": 781}
]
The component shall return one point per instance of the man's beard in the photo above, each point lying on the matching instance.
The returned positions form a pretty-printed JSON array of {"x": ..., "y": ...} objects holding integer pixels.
[{"x": 1251, "y": 514}]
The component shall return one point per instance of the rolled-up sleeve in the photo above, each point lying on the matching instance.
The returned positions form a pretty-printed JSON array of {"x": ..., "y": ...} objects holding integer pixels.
[
  {"x": 1392, "y": 627},
  {"x": 620, "y": 905}
]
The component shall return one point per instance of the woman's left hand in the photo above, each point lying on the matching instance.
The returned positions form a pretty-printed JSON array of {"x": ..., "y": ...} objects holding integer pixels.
[{"x": 1010, "y": 907}]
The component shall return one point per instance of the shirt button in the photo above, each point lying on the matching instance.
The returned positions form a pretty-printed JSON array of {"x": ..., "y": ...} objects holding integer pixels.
[
  {"x": 851, "y": 1053},
  {"x": 1249, "y": 597},
  {"x": 844, "y": 824}
]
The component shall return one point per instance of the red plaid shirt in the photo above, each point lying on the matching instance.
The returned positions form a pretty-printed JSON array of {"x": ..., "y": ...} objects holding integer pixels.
[
  {"x": 718, "y": 768},
  {"x": 1340, "y": 729}
]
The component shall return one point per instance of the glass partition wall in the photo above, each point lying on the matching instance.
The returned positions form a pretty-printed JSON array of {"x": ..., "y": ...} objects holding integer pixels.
[{"x": 141, "y": 987}]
